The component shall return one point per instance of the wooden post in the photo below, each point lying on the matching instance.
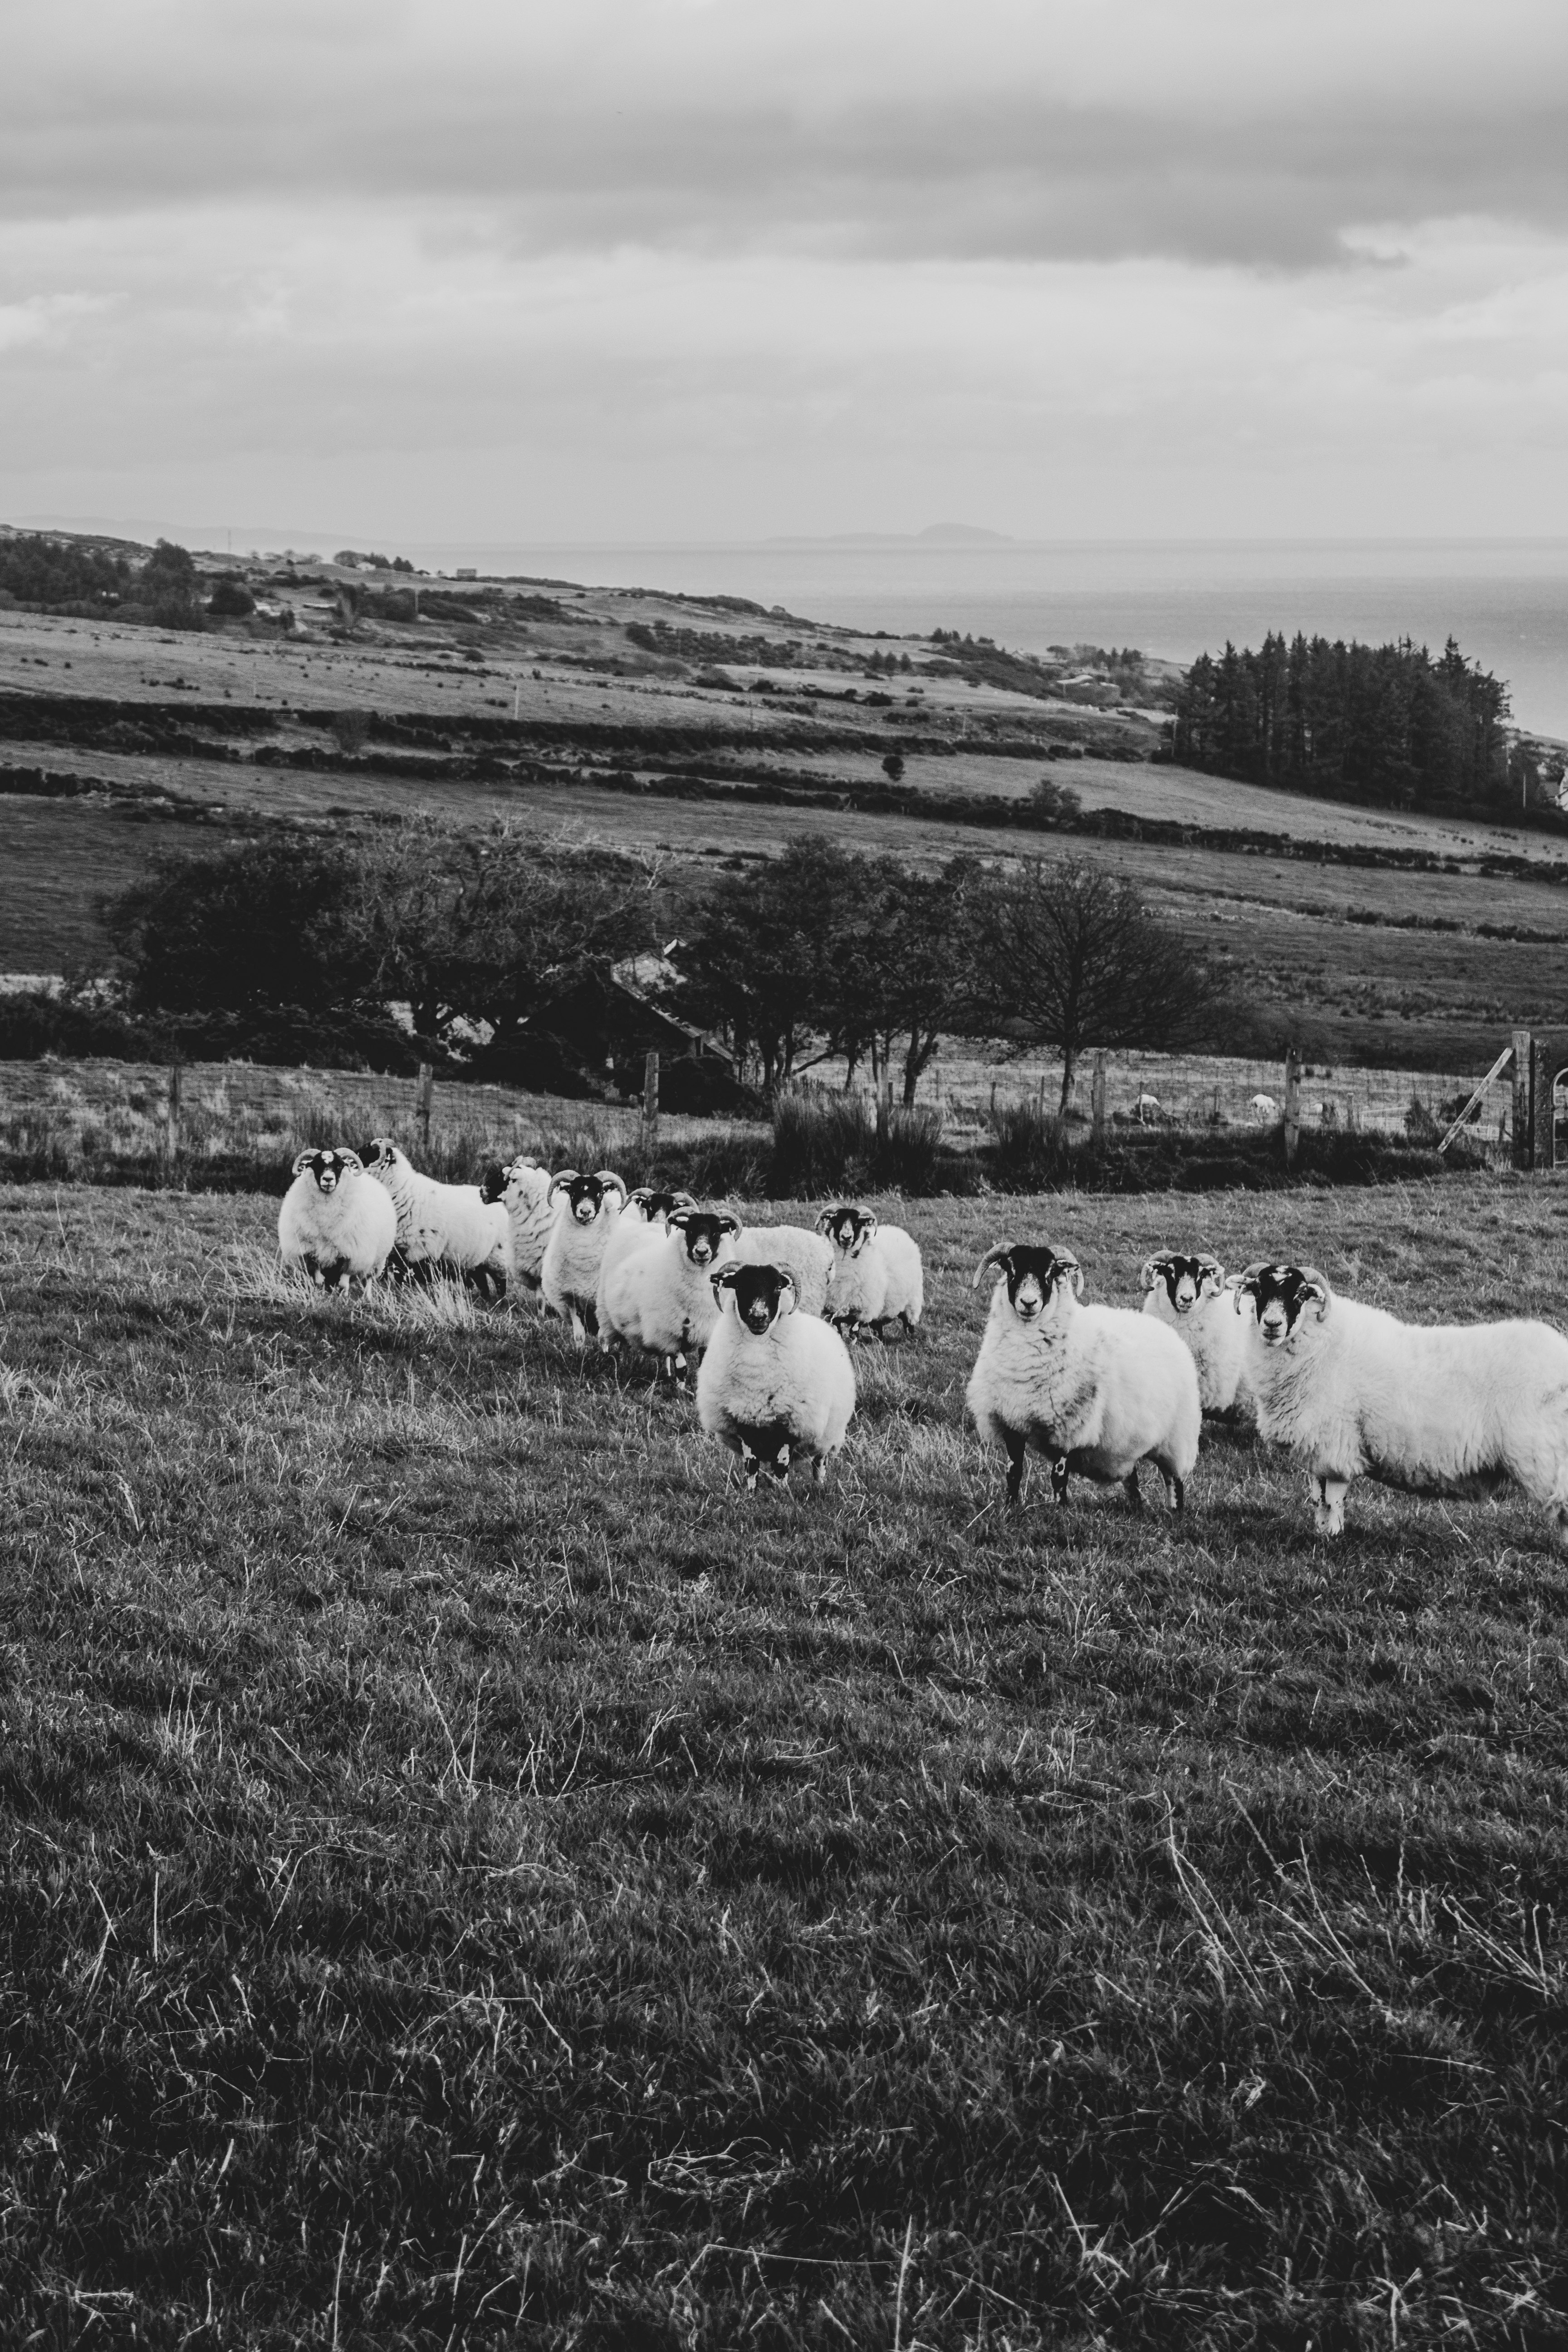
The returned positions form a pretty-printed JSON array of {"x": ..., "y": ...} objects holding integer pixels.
[
  {"x": 1097, "y": 1100},
  {"x": 1523, "y": 1105},
  {"x": 1292, "y": 1104},
  {"x": 1542, "y": 1108},
  {"x": 172, "y": 1116},
  {"x": 425, "y": 1104},
  {"x": 650, "y": 1102}
]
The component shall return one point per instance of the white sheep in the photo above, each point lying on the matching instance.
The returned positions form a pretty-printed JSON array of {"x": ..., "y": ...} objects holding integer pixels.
[
  {"x": 877, "y": 1277},
  {"x": 772, "y": 1383},
  {"x": 334, "y": 1220},
  {"x": 1148, "y": 1111},
  {"x": 805, "y": 1256},
  {"x": 642, "y": 1220},
  {"x": 586, "y": 1210},
  {"x": 1265, "y": 1106},
  {"x": 661, "y": 1297},
  {"x": 1097, "y": 1389},
  {"x": 1433, "y": 1405},
  {"x": 523, "y": 1188},
  {"x": 442, "y": 1228},
  {"x": 1188, "y": 1293}
]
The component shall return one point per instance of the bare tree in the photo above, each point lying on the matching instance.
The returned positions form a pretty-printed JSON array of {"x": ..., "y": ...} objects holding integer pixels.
[{"x": 1066, "y": 955}]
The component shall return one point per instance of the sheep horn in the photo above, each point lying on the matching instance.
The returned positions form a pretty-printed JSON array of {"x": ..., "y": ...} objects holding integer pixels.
[
  {"x": 304, "y": 1159},
  {"x": 824, "y": 1221},
  {"x": 561, "y": 1176},
  {"x": 605, "y": 1177},
  {"x": 1245, "y": 1286},
  {"x": 1316, "y": 1286},
  {"x": 678, "y": 1218},
  {"x": 997, "y": 1256},
  {"x": 727, "y": 1223},
  {"x": 873, "y": 1223},
  {"x": 793, "y": 1289},
  {"x": 723, "y": 1278},
  {"x": 351, "y": 1159},
  {"x": 1153, "y": 1268},
  {"x": 1067, "y": 1263}
]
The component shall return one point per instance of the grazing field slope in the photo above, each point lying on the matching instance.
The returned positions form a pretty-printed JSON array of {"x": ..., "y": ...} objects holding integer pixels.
[{"x": 475, "y": 1879}]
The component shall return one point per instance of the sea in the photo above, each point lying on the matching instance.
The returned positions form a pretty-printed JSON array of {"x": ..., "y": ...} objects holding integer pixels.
[{"x": 1504, "y": 600}]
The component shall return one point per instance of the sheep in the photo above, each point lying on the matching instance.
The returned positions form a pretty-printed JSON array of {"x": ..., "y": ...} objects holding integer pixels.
[
  {"x": 1148, "y": 1111},
  {"x": 805, "y": 1256},
  {"x": 1097, "y": 1389},
  {"x": 334, "y": 1220},
  {"x": 1434, "y": 1405},
  {"x": 1265, "y": 1106},
  {"x": 442, "y": 1227},
  {"x": 877, "y": 1278},
  {"x": 586, "y": 1216},
  {"x": 661, "y": 1297},
  {"x": 772, "y": 1383},
  {"x": 640, "y": 1222},
  {"x": 523, "y": 1188},
  {"x": 1189, "y": 1295}
]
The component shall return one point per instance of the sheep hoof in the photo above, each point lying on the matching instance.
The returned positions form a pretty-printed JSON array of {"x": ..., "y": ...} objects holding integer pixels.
[
  {"x": 1177, "y": 1493},
  {"x": 750, "y": 1467},
  {"x": 1059, "y": 1479},
  {"x": 1133, "y": 1496},
  {"x": 819, "y": 1478}
]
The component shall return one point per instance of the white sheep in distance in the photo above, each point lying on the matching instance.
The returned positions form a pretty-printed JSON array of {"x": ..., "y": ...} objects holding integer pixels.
[
  {"x": 805, "y": 1257},
  {"x": 1148, "y": 1111},
  {"x": 1097, "y": 1389},
  {"x": 334, "y": 1220},
  {"x": 660, "y": 1296},
  {"x": 586, "y": 1210},
  {"x": 522, "y": 1188},
  {"x": 442, "y": 1228},
  {"x": 1188, "y": 1293},
  {"x": 773, "y": 1384},
  {"x": 877, "y": 1277},
  {"x": 641, "y": 1221},
  {"x": 1265, "y": 1106},
  {"x": 1426, "y": 1405}
]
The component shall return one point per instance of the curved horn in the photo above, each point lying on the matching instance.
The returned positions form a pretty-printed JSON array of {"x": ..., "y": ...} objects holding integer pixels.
[
  {"x": 727, "y": 1223},
  {"x": 722, "y": 1278},
  {"x": 824, "y": 1221},
  {"x": 997, "y": 1256},
  {"x": 678, "y": 1218},
  {"x": 1316, "y": 1285},
  {"x": 1244, "y": 1284},
  {"x": 1151, "y": 1270},
  {"x": 873, "y": 1223},
  {"x": 1066, "y": 1263},
  {"x": 350, "y": 1159},
  {"x": 304, "y": 1159},
  {"x": 686, "y": 1200},
  {"x": 562, "y": 1177},
  {"x": 606, "y": 1177},
  {"x": 793, "y": 1288}
]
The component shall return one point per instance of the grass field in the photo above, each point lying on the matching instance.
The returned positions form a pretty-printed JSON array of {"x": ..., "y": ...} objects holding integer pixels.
[{"x": 474, "y": 1878}]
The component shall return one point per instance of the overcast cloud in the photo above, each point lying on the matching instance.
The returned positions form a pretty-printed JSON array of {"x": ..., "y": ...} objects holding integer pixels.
[{"x": 685, "y": 267}]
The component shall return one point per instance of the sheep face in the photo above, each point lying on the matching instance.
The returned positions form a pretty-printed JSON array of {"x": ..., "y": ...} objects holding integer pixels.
[
  {"x": 1033, "y": 1275},
  {"x": 760, "y": 1295},
  {"x": 1186, "y": 1278},
  {"x": 328, "y": 1168},
  {"x": 702, "y": 1232},
  {"x": 381, "y": 1154},
  {"x": 1279, "y": 1294},
  {"x": 498, "y": 1184},
  {"x": 587, "y": 1195},
  {"x": 652, "y": 1205},
  {"x": 848, "y": 1228}
]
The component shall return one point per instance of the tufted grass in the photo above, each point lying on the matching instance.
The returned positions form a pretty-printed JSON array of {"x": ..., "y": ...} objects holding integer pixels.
[{"x": 473, "y": 1878}]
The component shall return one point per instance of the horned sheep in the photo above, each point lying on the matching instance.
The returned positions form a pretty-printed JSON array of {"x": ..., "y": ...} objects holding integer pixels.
[
  {"x": 522, "y": 1188},
  {"x": 661, "y": 1297},
  {"x": 1358, "y": 1392},
  {"x": 773, "y": 1384},
  {"x": 1096, "y": 1389},
  {"x": 1187, "y": 1292},
  {"x": 877, "y": 1277},
  {"x": 640, "y": 1222},
  {"x": 442, "y": 1227},
  {"x": 335, "y": 1221},
  {"x": 586, "y": 1211}
]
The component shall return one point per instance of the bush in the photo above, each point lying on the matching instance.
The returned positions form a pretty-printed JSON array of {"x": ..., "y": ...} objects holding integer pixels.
[
  {"x": 1419, "y": 1124},
  {"x": 230, "y": 600},
  {"x": 1031, "y": 1149},
  {"x": 823, "y": 1143},
  {"x": 908, "y": 1147}
]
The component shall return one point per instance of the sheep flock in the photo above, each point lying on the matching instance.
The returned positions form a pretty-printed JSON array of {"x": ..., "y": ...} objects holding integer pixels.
[{"x": 1092, "y": 1388}]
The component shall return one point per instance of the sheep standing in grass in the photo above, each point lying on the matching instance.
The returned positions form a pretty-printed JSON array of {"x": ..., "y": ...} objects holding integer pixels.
[
  {"x": 334, "y": 1221},
  {"x": 522, "y": 1188},
  {"x": 805, "y": 1257},
  {"x": 641, "y": 1221},
  {"x": 586, "y": 1210},
  {"x": 773, "y": 1384},
  {"x": 1097, "y": 1389},
  {"x": 1188, "y": 1293},
  {"x": 661, "y": 1297},
  {"x": 1440, "y": 1405},
  {"x": 442, "y": 1228},
  {"x": 877, "y": 1277}
]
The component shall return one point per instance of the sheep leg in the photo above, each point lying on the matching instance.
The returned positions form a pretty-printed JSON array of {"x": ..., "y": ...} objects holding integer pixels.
[
  {"x": 1175, "y": 1492},
  {"x": 750, "y": 1467},
  {"x": 1014, "y": 1466},
  {"x": 1059, "y": 1479},
  {"x": 818, "y": 1472},
  {"x": 1329, "y": 1491},
  {"x": 778, "y": 1468},
  {"x": 579, "y": 1334},
  {"x": 1131, "y": 1482}
]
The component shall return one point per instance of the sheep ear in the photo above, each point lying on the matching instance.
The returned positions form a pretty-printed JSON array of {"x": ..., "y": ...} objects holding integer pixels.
[
  {"x": 1002, "y": 1256},
  {"x": 304, "y": 1160},
  {"x": 1212, "y": 1274},
  {"x": 873, "y": 1223},
  {"x": 351, "y": 1159},
  {"x": 1152, "y": 1269},
  {"x": 789, "y": 1297},
  {"x": 1245, "y": 1286},
  {"x": 607, "y": 1180},
  {"x": 678, "y": 1218},
  {"x": 562, "y": 1177},
  {"x": 721, "y": 1279},
  {"x": 824, "y": 1221},
  {"x": 1315, "y": 1286},
  {"x": 1067, "y": 1264},
  {"x": 729, "y": 1224}
]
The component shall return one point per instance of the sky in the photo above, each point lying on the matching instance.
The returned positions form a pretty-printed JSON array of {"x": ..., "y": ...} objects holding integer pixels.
[{"x": 649, "y": 269}]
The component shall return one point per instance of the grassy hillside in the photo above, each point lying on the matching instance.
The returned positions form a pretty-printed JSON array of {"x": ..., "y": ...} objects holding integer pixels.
[{"x": 475, "y": 1878}]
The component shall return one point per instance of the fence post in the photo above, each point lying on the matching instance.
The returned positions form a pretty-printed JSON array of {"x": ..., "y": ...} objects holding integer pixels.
[
  {"x": 1543, "y": 1109},
  {"x": 650, "y": 1102},
  {"x": 1292, "y": 1104},
  {"x": 172, "y": 1115},
  {"x": 1523, "y": 1107},
  {"x": 1097, "y": 1100},
  {"x": 425, "y": 1103}
]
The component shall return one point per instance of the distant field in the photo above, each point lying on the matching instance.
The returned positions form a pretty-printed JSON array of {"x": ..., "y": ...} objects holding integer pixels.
[{"x": 474, "y": 1878}]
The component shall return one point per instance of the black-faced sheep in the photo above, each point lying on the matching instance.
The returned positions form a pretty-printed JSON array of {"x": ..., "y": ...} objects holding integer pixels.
[
  {"x": 661, "y": 1297},
  {"x": 1187, "y": 1292},
  {"x": 877, "y": 1277},
  {"x": 442, "y": 1228},
  {"x": 586, "y": 1210},
  {"x": 773, "y": 1384},
  {"x": 334, "y": 1220}
]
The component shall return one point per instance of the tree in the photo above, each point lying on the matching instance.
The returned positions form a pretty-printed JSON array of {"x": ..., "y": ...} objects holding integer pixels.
[
  {"x": 230, "y": 600},
  {"x": 770, "y": 961},
  {"x": 904, "y": 975},
  {"x": 1068, "y": 956},
  {"x": 249, "y": 930},
  {"x": 168, "y": 584},
  {"x": 893, "y": 767}
]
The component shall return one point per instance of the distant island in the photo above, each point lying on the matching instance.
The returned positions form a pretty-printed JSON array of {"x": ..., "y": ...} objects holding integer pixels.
[{"x": 935, "y": 534}]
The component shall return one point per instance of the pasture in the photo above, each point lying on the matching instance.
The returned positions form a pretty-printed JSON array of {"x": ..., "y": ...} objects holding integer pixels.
[{"x": 473, "y": 1878}]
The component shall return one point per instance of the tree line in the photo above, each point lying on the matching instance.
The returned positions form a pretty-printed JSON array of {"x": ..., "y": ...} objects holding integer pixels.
[
  {"x": 480, "y": 951},
  {"x": 1384, "y": 724}
]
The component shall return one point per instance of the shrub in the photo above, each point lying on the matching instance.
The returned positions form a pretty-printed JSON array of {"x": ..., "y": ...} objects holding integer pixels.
[
  {"x": 230, "y": 600},
  {"x": 1419, "y": 1124},
  {"x": 1031, "y": 1148},
  {"x": 823, "y": 1143},
  {"x": 908, "y": 1146}
]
